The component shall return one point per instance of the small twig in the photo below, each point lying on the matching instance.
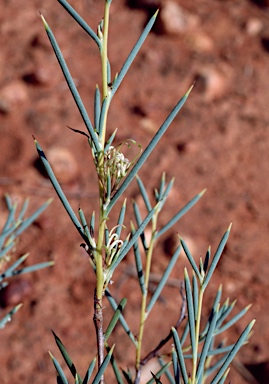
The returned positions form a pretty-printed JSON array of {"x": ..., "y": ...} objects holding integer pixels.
[{"x": 182, "y": 316}]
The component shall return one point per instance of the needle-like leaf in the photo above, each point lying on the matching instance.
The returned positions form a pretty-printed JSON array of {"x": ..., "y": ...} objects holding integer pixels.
[
  {"x": 180, "y": 356},
  {"x": 103, "y": 367},
  {"x": 163, "y": 280},
  {"x": 233, "y": 352},
  {"x": 148, "y": 150},
  {"x": 216, "y": 257},
  {"x": 89, "y": 372},
  {"x": 80, "y": 21},
  {"x": 9, "y": 315},
  {"x": 181, "y": 213},
  {"x": 61, "y": 378},
  {"x": 133, "y": 54},
  {"x": 60, "y": 192},
  {"x": 115, "y": 318},
  {"x": 67, "y": 358},
  {"x": 72, "y": 86}
]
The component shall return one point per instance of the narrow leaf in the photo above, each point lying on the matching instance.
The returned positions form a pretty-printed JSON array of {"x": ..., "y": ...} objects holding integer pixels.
[
  {"x": 127, "y": 376},
  {"x": 206, "y": 346},
  {"x": 175, "y": 366},
  {"x": 191, "y": 259},
  {"x": 190, "y": 308},
  {"x": 144, "y": 193},
  {"x": 148, "y": 150},
  {"x": 163, "y": 196},
  {"x": 23, "y": 210},
  {"x": 216, "y": 257},
  {"x": 214, "y": 308},
  {"x": 195, "y": 295},
  {"x": 103, "y": 367},
  {"x": 110, "y": 140},
  {"x": 66, "y": 357},
  {"x": 163, "y": 280},
  {"x": 133, "y": 54},
  {"x": 33, "y": 268},
  {"x": 224, "y": 313},
  {"x": 115, "y": 318},
  {"x": 138, "y": 222},
  {"x": 60, "y": 192},
  {"x": 80, "y": 21},
  {"x": 123, "y": 322},
  {"x": 61, "y": 378},
  {"x": 97, "y": 108},
  {"x": 180, "y": 356},
  {"x": 103, "y": 114},
  {"x": 27, "y": 222},
  {"x": 71, "y": 85},
  {"x": 7, "y": 318},
  {"x": 233, "y": 352},
  {"x": 9, "y": 272},
  {"x": 139, "y": 267},
  {"x": 7, "y": 249},
  {"x": 162, "y": 186},
  {"x": 85, "y": 225},
  {"x": 89, "y": 372},
  {"x": 207, "y": 259},
  {"x": 181, "y": 213},
  {"x": 167, "y": 373},
  {"x": 159, "y": 373},
  {"x": 115, "y": 368},
  {"x": 222, "y": 380},
  {"x": 233, "y": 320},
  {"x": 121, "y": 219}
]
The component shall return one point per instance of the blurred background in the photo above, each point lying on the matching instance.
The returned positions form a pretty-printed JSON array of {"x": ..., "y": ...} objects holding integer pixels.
[{"x": 219, "y": 141}]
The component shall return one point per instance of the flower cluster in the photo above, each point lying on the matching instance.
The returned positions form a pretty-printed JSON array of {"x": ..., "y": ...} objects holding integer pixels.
[{"x": 117, "y": 164}]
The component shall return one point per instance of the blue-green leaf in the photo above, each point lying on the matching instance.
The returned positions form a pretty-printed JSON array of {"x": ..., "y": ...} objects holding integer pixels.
[
  {"x": 71, "y": 85},
  {"x": 80, "y": 21},
  {"x": 148, "y": 150}
]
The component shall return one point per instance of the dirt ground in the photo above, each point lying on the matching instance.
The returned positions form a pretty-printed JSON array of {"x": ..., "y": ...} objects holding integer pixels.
[{"x": 219, "y": 141}]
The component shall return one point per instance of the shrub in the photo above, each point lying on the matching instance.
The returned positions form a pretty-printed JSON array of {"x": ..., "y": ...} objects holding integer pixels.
[{"x": 196, "y": 354}]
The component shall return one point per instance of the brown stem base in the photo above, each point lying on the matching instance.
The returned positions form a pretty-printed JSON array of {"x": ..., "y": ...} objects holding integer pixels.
[{"x": 98, "y": 323}]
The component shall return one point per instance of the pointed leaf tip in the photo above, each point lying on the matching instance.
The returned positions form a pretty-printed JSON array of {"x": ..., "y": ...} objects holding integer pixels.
[
  {"x": 44, "y": 21},
  {"x": 156, "y": 13},
  {"x": 229, "y": 228},
  {"x": 189, "y": 91}
]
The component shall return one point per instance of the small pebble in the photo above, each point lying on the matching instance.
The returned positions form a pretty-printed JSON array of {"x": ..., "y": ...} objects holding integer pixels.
[
  {"x": 63, "y": 163},
  {"x": 174, "y": 20},
  {"x": 12, "y": 95},
  {"x": 254, "y": 26},
  {"x": 212, "y": 83},
  {"x": 200, "y": 42},
  {"x": 39, "y": 76},
  {"x": 14, "y": 293}
]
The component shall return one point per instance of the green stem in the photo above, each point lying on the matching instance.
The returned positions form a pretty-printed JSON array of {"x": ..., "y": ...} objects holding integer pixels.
[
  {"x": 104, "y": 50},
  {"x": 104, "y": 61},
  {"x": 143, "y": 314},
  {"x": 197, "y": 332}
]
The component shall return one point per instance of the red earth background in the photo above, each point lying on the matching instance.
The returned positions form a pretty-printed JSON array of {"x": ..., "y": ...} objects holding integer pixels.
[{"x": 219, "y": 141}]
